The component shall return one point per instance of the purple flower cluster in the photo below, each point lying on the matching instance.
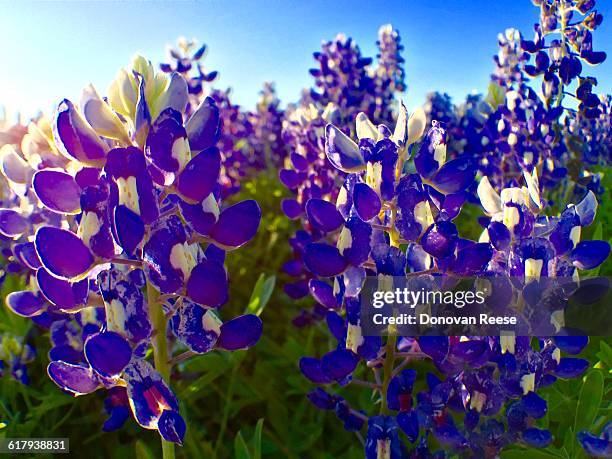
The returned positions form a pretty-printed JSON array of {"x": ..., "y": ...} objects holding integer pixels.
[
  {"x": 347, "y": 87},
  {"x": 122, "y": 232},
  {"x": 491, "y": 383}
]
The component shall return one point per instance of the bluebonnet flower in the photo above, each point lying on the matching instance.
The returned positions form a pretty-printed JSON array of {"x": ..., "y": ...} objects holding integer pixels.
[
  {"x": 380, "y": 208},
  {"x": 134, "y": 200}
]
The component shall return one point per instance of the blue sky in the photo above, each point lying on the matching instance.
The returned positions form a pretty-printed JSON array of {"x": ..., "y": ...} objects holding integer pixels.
[{"x": 51, "y": 50}]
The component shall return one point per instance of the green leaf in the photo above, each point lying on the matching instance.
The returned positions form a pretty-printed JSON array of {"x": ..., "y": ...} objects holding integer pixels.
[
  {"x": 261, "y": 295},
  {"x": 589, "y": 401},
  {"x": 241, "y": 451},
  {"x": 256, "y": 440}
]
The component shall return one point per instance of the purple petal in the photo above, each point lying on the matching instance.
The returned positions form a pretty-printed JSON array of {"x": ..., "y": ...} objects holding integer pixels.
[
  {"x": 367, "y": 202},
  {"x": 76, "y": 379},
  {"x": 311, "y": 368},
  {"x": 25, "y": 303},
  {"x": 589, "y": 254},
  {"x": 26, "y": 253},
  {"x": 58, "y": 191},
  {"x": 75, "y": 139},
  {"x": 570, "y": 367},
  {"x": 571, "y": 344},
  {"x": 129, "y": 228},
  {"x": 323, "y": 215},
  {"x": 341, "y": 151},
  {"x": 172, "y": 426},
  {"x": 202, "y": 216},
  {"x": 207, "y": 284},
  {"x": 108, "y": 353},
  {"x": 324, "y": 260},
  {"x": 440, "y": 239},
  {"x": 204, "y": 126},
  {"x": 537, "y": 438},
  {"x": 323, "y": 293},
  {"x": 240, "y": 333},
  {"x": 167, "y": 145},
  {"x": 291, "y": 208},
  {"x": 65, "y": 295},
  {"x": 237, "y": 225},
  {"x": 455, "y": 176},
  {"x": 199, "y": 176},
  {"x": 128, "y": 167},
  {"x": 339, "y": 364},
  {"x": 52, "y": 245},
  {"x": 12, "y": 223}
]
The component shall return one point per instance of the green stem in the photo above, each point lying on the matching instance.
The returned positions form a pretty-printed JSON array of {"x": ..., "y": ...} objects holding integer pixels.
[
  {"x": 388, "y": 370},
  {"x": 160, "y": 349}
]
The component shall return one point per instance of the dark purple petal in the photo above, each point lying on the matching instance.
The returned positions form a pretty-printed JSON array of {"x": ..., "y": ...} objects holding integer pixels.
[
  {"x": 128, "y": 168},
  {"x": 499, "y": 235},
  {"x": 236, "y": 225},
  {"x": 172, "y": 426},
  {"x": 202, "y": 216},
  {"x": 58, "y": 191},
  {"x": 537, "y": 438},
  {"x": 339, "y": 364},
  {"x": 355, "y": 240},
  {"x": 534, "y": 405},
  {"x": 594, "y": 446},
  {"x": 436, "y": 347},
  {"x": 589, "y": 254},
  {"x": 63, "y": 294},
  {"x": 586, "y": 209},
  {"x": 207, "y": 284},
  {"x": 571, "y": 344},
  {"x": 167, "y": 146},
  {"x": 75, "y": 139},
  {"x": 473, "y": 259},
  {"x": 311, "y": 368},
  {"x": 240, "y": 333},
  {"x": 432, "y": 152},
  {"x": 292, "y": 208},
  {"x": 323, "y": 293},
  {"x": 323, "y": 215},
  {"x": 570, "y": 367},
  {"x": 129, "y": 228},
  {"x": 367, "y": 202},
  {"x": 440, "y": 239},
  {"x": 52, "y": 245},
  {"x": 455, "y": 176},
  {"x": 108, "y": 353},
  {"x": 76, "y": 379},
  {"x": 199, "y": 176},
  {"x": 26, "y": 253},
  {"x": 25, "y": 303},
  {"x": 324, "y": 260},
  {"x": 157, "y": 253},
  {"x": 12, "y": 223},
  {"x": 409, "y": 423},
  {"x": 204, "y": 126},
  {"x": 341, "y": 151}
]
